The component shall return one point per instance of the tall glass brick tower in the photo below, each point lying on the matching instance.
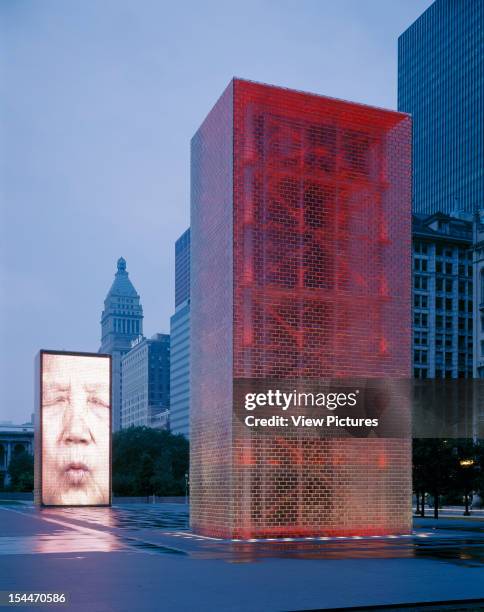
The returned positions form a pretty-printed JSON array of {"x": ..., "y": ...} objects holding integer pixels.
[
  {"x": 441, "y": 83},
  {"x": 301, "y": 247}
]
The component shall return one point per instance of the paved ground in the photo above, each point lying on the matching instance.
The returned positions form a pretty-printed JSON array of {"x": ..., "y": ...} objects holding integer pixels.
[{"x": 142, "y": 557}]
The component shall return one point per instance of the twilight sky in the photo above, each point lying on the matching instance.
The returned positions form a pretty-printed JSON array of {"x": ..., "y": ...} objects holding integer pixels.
[{"x": 98, "y": 103}]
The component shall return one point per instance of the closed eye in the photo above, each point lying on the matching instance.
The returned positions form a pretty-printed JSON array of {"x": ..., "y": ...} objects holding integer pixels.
[
  {"x": 97, "y": 401},
  {"x": 57, "y": 399}
]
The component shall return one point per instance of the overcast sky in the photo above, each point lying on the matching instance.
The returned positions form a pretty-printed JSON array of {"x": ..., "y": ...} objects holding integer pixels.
[{"x": 99, "y": 100}]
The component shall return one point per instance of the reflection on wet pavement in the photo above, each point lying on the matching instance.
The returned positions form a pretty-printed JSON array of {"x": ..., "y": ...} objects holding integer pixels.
[
  {"x": 59, "y": 542},
  {"x": 163, "y": 529},
  {"x": 139, "y": 517}
]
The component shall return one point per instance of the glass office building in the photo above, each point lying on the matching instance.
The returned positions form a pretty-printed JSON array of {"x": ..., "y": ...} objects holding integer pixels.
[
  {"x": 180, "y": 341},
  {"x": 182, "y": 268},
  {"x": 441, "y": 83}
]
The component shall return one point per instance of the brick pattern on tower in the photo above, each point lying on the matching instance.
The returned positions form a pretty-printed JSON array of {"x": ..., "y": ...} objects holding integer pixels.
[{"x": 301, "y": 236}]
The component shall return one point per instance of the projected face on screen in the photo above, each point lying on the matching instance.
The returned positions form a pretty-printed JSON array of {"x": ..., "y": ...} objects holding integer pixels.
[{"x": 75, "y": 430}]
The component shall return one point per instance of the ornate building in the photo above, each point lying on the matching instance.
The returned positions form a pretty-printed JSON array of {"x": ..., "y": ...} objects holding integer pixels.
[
  {"x": 442, "y": 296},
  {"x": 121, "y": 323}
]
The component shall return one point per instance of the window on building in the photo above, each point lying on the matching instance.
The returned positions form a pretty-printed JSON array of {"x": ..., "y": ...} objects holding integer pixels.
[{"x": 421, "y": 247}]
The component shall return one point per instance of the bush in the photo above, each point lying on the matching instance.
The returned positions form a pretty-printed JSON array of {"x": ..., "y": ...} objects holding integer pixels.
[
  {"x": 21, "y": 472},
  {"x": 149, "y": 461}
]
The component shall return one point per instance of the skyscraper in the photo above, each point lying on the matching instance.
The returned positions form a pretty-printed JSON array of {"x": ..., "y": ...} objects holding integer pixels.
[
  {"x": 441, "y": 83},
  {"x": 180, "y": 340},
  {"x": 182, "y": 268},
  {"x": 442, "y": 296},
  {"x": 300, "y": 268},
  {"x": 121, "y": 323},
  {"x": 146, "y": 382}
]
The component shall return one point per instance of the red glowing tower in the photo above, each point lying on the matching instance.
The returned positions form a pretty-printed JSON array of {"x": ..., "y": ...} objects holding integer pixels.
[{"x": 301, "y": 250}]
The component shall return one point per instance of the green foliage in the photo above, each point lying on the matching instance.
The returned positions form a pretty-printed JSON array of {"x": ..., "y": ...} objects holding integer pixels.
[
  {"x": 447, "y": 467},
  {"x": 147, "y": 461},
  {"x": 21, "y": 472},
  {"x": 467, "y": 475}
]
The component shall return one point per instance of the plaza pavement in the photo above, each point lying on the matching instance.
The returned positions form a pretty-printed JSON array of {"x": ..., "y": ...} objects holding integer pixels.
[{"x": 143, "y": 557}]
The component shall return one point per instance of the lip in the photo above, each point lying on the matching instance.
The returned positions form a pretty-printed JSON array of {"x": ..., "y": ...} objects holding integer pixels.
[{"x": 76, "y": 472}]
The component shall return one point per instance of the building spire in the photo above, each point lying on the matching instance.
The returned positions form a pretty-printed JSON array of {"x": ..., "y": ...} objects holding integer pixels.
[{"x": 121, "y": 324}]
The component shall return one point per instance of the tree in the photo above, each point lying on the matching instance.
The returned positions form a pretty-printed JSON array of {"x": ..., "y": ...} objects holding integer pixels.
[
  {"x": 149, "y": 461},
  {"x": 21, "y": 471},
  {"x": 467, "y": 469},
  {"x": 419, "y": 462},
  {"x": 433, "y": 464}
]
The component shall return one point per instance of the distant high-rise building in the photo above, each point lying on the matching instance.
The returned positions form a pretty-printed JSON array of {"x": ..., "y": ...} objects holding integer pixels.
[
  {"x": 121, "y": 323},
  {"x": 180, "y": 340},
  {"x": 146, "y": 383},
  {"x": 442, "y": 296},
  {"x": 182, "y": 268},
  {"x": 441, "y": 83},
  {"x": 478, "y": 269}
]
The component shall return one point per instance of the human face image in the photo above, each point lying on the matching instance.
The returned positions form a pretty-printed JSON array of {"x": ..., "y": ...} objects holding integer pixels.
[{"x": 75, "y": 430}]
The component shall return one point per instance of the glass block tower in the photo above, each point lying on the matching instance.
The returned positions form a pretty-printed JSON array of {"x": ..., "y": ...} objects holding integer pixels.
[
  {"x": 301, "y": 253},
  {"x": 441, "y": 83}
]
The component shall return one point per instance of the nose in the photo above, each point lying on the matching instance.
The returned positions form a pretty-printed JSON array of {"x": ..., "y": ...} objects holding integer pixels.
[{"x": 76, "y": 430}]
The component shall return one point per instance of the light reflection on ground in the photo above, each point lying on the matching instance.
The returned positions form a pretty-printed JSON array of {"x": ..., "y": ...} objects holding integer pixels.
[
  {"x": 163, "y": 529},
  {"x": 59, "y": 542}
]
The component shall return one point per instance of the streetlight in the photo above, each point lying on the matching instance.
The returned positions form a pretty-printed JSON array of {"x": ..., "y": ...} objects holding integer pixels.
[{"x": 466, "y": 464}]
